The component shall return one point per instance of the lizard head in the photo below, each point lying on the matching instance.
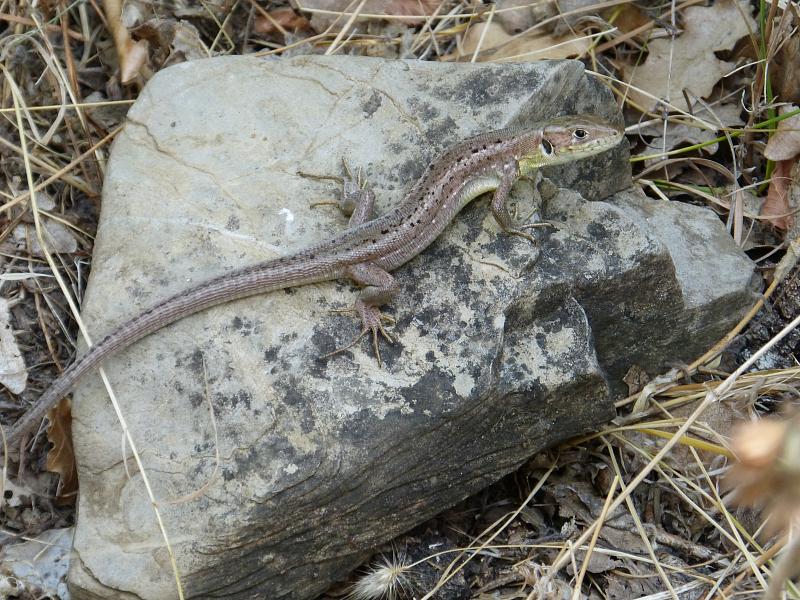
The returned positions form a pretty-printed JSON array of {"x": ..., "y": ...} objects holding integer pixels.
[{"x": 569, "y": 138}]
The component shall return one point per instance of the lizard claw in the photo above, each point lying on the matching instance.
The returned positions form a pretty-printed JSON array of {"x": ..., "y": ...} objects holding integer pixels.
[
  {"x": 519, "y": 230},
  {"x": 537, "y": 224},
  {"x": 372, "y": 320},
  {"x": 523, "y": 234}
]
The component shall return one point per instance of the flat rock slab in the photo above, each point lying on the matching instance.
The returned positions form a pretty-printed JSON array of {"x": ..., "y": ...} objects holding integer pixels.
[{"x": 503, "y": 347}]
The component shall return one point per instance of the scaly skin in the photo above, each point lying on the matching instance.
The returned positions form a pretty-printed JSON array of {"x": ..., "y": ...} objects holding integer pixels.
[{"x": 370, "y": 248}]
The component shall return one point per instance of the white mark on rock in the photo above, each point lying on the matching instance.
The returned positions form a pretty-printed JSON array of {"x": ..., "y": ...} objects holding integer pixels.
[
  {"x": 289, "y": 217},
  {"x": 291, "y": 469},
  {"x": 463, "y": 384}
]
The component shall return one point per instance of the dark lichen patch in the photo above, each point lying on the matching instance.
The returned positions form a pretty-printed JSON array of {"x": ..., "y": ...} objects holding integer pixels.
[
  {"x": 359, "y": 428},
  {"x": 248, "y": 461},
  {"x": 423, "y": 318},
  {"x": 323, "y": 339},
  {"x": 553, "y": 326},
  {"x": 233, "y": 401},
  {"x": 472, "y": 216},
  {"x": 271, "y": 354},
  {"x": 244, "y": 327},
  {"x": 407, "y": 172},
  {"x": 483, "y": 87},
  {"x": 598, "y": 231},
  {"x": 442, "y": 133},
  {"x": 423, "y": 110},
  {"x": 197, "y": 363},
  {"x": 372, "y": 104},
  {"x": 201, "y": 448},
  {"x": 395, "y": 149},
  {"x": 233, "y": 223},
  {"x": 390, "y": 353},
  {"x": 502, "y": 244},
  {"x": 288, "y": 390},
  {"x": 516, "y": 369},
  {"x": 196, "y": 399},
  {"x": 433, "y": 391}
]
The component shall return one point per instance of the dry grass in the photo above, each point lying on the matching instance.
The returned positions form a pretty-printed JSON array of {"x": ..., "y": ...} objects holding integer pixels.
[{"x": 652, "y": 480}]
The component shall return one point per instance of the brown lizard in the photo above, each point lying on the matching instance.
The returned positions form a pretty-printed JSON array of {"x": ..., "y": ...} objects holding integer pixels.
[{"x": 371, "y": 247}]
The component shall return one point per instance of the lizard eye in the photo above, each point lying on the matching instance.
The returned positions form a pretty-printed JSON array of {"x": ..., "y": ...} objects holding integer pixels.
[
  {"x": 546, "y": 147},
  {"x": 580, "y": 134}
]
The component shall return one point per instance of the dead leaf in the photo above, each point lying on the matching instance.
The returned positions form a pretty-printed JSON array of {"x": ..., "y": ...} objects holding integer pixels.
[
  {"x": 284, "y": 17},
  {"x": 132, "y": 59},
  {"x": 497, "y": 45},
  {"x": 186, "y": 44},
  {"x": 580, "y": 501},
  {"x": 57, "y": 236},
  {"x": 630, "y": 18},
  {"x": 132, "y": 56},
  {"x": 636, "y": 378},
  {"x": 323, "y": 21},
  {"x": 518, "y": 15},
  {"x": 681, "y": 135},
  {"x": 778, "y": 204},
  {"x": 13, "y": 374},
  {"x": 61, "y": 457},
  {"x": 688, "y": 62},
  {"x": 785, "y": 142},
  {"x": 171, "y": 41},
  {"x": 783, "y": 194}
]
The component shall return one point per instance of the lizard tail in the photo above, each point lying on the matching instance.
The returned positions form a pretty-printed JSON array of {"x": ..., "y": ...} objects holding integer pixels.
[{"x": 275, "y": 275}]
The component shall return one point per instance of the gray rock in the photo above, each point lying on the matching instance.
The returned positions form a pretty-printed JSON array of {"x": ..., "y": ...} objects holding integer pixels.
[{"x": 504, "y": 348}]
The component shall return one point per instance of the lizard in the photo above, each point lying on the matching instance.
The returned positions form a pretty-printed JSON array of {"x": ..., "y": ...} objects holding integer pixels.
[{"x": 370, "y": 248}]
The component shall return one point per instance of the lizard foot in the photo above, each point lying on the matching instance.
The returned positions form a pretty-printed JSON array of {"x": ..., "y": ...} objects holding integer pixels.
[
  {"x": 520, "y": 230},
  {"x": 372, "y": 320},
  {"x": 353, "y": 184}
]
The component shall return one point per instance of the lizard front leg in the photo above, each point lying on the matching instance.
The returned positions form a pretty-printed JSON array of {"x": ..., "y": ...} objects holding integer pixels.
[
  {"x": 379, "y": 288},
  {"x": 357, "y": 200},
  {"x": 508, "y": 176}
]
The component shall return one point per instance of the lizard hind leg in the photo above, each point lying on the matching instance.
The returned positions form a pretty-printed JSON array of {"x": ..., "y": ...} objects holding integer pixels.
[{"x": 379, "y": 288}]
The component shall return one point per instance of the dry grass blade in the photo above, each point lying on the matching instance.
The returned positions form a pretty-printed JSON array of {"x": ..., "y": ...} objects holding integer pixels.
[
  {"x": 710, "y": 398},
  {"x": 16, "y": 97},
  {"x": 62, "y": 75}
]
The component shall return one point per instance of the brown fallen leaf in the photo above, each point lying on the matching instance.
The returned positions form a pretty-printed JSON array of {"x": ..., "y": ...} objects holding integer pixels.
[
  {"x": 778, "y": 204},
  {"x": 61, "y": 457},
  {"x": 497, "y": 45},
  {"x": 284, "y": 17},
  {"x": 783, "y": 194},
  {"x": 636, "y": 378},
  {"x": 688, "y": 62},
  {"x": 785, "y": 142},
  {"x": 321, "y": 21},
  {"x": 170, "y": 41},
  {"x": 630, "y": 18},
  {"x": 132, "y": 55}
]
